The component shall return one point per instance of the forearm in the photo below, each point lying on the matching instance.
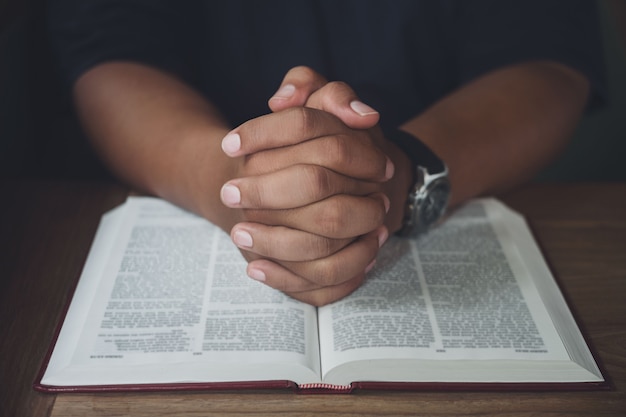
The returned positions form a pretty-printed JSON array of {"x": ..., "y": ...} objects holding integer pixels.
[
  {"x": 499, "y": 130},
  {"x": 157, "y": 134}
]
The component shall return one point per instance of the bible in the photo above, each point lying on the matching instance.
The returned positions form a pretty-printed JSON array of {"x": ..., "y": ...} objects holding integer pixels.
[{"x": 163, "y": 303}]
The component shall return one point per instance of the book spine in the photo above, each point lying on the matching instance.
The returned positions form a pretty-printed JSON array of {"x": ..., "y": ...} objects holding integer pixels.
[{"x": 324, "y": 388}]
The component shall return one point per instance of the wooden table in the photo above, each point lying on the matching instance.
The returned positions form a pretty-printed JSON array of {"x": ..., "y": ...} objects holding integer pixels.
[{"x": 46, "y": 229}]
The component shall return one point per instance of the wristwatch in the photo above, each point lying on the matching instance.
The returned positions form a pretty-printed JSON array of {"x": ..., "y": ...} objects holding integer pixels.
[{"x": 428, "y": 196}]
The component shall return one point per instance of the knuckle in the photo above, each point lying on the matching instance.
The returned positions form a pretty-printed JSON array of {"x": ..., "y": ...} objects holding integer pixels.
[
  {"x": 332, "y": 218},
  {"x": 321, "y": 246},
  {"x": 280, "y": 282},
  {"x": 252, "y": 194},
  {"x": 332, "y": 91},
  {"x": 305, "y": 121},
  {"x": 339, "y": 151},
  {"x": 328, "y": 272},
  {"x": 318, "y": 180},
  {"x": 303, "y": 71},
  {"x": 337, "y": 87},
  {"x": 323, "y": 296},
  {"x": 355, "y": 152},
  {"x": 319, "y": 299}
]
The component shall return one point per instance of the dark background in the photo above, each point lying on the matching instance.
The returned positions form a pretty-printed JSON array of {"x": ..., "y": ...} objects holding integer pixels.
[{"x": 40, "y": 138}]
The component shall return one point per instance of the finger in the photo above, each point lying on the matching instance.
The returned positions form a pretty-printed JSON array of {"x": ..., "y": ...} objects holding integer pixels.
[
  {"x": 288, "y": 127},
  {"x": 354, "y": 259},
  {"x": 339, "y": 99},
  {"x": 348, "y": 151},
  {"x": 293, "y": 277},
  {"x": 283, "y": 243},
  {"x": 351, "y": 155},
  {"x": 322, "y": 296},
  {"x": 299, "y": 83},
  {"x": 325, "y": 295},
  {"x": 292, "y": 187},
  {"x": 338, "y": 217}
]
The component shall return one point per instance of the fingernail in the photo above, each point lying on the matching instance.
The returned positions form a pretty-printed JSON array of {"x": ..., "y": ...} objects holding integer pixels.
[
  {"x": 387, "y": 203},
  {"x": 256, "y": 274},
  {"x": 361, "y": 108},
  {"x": 382, "y": 237},
  {"x": 231, "y": 143},
  {"x": 231, "y": 196},
  {"x": 242, "y": 239},
  {"x": 389, "y": 169},
  {"x": 284, "y": 92},
  {"x": 369, "y": 267}
]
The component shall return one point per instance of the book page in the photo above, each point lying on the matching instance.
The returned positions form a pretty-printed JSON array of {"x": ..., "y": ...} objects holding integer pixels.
[
  {"x": 172, "y": 303},
  {"x": 461, "y": 293}
]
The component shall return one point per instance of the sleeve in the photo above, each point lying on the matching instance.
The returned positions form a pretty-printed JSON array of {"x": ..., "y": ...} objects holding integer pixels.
[
  {"x": 495, "y": 33},
  {"x": 83, "y": 34}
]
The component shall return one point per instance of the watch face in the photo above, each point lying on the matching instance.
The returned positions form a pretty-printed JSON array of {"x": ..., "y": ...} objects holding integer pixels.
[{"x": 434, "y": 203}]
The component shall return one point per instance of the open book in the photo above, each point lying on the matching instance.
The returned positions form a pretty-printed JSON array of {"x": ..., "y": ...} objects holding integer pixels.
[{"x": 164, "y": 303}]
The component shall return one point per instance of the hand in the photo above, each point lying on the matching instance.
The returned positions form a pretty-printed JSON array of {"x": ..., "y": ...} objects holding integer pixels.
[
  {"x": 327, "y": 261},
  {"x": 304, "y": 87}
]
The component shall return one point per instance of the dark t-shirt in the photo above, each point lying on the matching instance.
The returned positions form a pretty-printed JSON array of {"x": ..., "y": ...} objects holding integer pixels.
[{"x": 400, "y": 56}]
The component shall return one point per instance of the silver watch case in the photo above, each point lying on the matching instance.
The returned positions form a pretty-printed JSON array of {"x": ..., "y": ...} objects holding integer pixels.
[{"x": 426, "y": 203}]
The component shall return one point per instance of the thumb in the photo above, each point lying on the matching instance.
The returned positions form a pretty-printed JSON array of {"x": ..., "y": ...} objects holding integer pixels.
[
  {"x": 302, "y": 86},
  {"x": 339, "y": 99},
  {"x": 296, "y": 88}
]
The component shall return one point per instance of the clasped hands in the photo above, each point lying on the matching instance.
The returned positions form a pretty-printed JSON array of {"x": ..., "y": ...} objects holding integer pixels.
[{"x": 312, "y": 187}]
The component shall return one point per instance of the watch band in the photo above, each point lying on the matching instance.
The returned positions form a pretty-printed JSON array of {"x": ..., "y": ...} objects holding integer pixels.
[{"x": 418, "y": 153}]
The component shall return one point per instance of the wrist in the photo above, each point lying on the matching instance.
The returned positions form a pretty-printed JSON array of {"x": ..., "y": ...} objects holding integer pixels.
[{"x": 428, "y": 194}]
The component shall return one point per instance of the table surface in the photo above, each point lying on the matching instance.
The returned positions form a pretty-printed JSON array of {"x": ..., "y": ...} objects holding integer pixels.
[{"x": 46, "y": 228}]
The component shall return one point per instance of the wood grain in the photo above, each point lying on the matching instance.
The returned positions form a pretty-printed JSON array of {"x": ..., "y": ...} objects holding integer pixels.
[{"x": 46, "y": 229}]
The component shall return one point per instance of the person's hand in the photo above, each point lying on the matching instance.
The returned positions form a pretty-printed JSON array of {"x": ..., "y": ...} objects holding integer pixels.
[
  {"x": 313, "y": 198},
  {"x": 303, "y": 86}
]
